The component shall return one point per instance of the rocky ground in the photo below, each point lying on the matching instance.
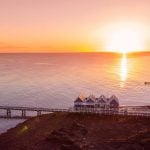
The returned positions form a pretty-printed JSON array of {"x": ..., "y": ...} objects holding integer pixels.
[{"x": 68, "y": 131}]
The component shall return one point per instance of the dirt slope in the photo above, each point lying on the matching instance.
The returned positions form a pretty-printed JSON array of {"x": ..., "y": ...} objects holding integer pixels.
[{"x": 64, "y": 131}]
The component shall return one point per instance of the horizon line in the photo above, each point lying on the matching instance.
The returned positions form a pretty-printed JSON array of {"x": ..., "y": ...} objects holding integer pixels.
[{"x": 135, "y": 52}]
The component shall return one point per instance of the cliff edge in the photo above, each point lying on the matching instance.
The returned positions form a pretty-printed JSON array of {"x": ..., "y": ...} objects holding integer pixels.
[{"x": 71, "y": 131}]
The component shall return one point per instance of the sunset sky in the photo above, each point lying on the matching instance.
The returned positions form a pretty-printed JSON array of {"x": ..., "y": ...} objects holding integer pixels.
[{"x": 73, "y": 25}]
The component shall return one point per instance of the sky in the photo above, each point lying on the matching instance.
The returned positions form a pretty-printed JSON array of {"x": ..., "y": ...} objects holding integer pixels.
[{"x": 69, "y": 25}]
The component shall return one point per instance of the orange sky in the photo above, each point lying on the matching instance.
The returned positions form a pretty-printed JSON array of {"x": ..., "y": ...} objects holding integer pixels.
[{"x": 66, "y": 25}]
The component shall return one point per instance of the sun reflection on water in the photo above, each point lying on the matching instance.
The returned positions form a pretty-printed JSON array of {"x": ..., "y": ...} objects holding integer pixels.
[{"x": 123, "y": 70}]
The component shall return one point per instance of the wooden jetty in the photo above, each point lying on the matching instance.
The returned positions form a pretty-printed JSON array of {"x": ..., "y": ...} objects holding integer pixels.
[
  {"x": 123, "y": 110},
  {"x": 23, "y": 110}
]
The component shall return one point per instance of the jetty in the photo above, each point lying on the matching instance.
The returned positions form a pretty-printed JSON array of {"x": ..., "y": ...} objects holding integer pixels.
[
  {"x": 94, "y": 105},
  {"x": 23, "y": 111},
  {"x": 122, "y": 110}
]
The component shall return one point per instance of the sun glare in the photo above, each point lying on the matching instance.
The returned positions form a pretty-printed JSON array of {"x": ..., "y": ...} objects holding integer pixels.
[
  {"x": 123, "y": 69},
  {"x": 125, "y": 39}
]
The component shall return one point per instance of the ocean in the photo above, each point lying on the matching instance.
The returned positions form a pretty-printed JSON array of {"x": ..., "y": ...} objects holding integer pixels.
[{"x": 54, "y": 80}]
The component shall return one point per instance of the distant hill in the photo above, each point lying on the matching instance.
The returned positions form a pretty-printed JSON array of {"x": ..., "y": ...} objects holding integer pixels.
[{"x": 68, "y": 131}]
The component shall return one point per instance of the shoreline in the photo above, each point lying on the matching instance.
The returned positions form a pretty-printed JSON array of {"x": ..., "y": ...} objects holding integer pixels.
[
  {"x": 19, "y": 119},
  {"x": 7, "y": 124}
]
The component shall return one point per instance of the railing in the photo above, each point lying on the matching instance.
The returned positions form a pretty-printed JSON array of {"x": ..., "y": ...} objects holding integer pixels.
[
  {"x": 124, "y": 110},
  {"x": 39, "y": 111}
]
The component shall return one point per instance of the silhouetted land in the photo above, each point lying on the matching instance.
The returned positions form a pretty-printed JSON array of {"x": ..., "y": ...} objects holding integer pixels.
[{"x": 68, "y": 131}]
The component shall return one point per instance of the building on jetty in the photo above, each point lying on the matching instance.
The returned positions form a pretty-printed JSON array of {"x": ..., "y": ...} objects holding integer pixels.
[{"x": 92, "y": 102}]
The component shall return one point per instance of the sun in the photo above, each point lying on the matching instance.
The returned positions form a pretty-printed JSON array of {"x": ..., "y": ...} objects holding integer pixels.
[{"x": 124, "y": 40}]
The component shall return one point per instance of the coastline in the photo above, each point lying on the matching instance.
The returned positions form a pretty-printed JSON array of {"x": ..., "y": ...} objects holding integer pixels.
[{"x": 6, "y": 124}]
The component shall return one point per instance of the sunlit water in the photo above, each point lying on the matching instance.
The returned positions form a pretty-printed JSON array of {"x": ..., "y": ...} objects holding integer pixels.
[{"x": 55, "y": 80}]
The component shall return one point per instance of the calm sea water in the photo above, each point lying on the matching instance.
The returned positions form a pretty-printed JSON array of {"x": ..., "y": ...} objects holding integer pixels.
[{"x": 55, "y": 80}]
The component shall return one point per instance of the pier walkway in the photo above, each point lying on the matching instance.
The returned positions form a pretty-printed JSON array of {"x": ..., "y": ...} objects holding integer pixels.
[
  {"x": 23, "y": 110},
  {"x": 123, "y": 110}
]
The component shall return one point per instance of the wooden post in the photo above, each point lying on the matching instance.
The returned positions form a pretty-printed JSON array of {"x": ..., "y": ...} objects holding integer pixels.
[
  {"x": 8, "y": 113},
  {"x": 39, "y": 113},
  {"x": 23, "y": 113}
]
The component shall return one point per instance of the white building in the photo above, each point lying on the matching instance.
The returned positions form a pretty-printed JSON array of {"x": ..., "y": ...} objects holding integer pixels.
[{"x": 93, "y": 102}]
